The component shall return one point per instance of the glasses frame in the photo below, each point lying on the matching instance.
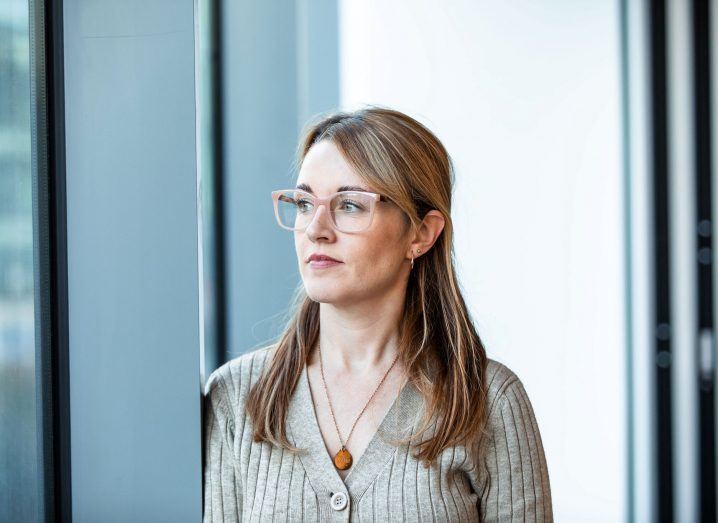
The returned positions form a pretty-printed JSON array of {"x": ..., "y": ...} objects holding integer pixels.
[{"x": 376, "y": 198}]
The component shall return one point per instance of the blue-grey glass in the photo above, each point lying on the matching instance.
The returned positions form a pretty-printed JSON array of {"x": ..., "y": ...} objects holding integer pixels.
[{"x": 18, "y": 455}]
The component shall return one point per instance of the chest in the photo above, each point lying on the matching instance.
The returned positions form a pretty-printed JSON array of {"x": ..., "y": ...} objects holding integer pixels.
[
  {"x": 385, "y": 483},
  {"x": 352, "y": 412}
]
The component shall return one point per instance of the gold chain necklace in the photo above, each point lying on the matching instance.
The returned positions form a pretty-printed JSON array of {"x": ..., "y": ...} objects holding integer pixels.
[{"x": 343, "y": 458}]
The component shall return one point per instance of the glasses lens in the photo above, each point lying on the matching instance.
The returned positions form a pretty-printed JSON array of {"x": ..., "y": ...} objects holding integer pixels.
[
  {"x": 352, "y": 211},
  {"x": 295, "y": 209}
]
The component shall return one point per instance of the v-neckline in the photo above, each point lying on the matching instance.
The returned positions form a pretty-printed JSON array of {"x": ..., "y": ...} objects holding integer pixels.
[{"x": 304, "y": 428}]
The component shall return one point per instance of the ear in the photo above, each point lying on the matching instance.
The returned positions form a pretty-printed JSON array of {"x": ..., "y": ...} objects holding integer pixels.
[{"x": 427, "y": 233}]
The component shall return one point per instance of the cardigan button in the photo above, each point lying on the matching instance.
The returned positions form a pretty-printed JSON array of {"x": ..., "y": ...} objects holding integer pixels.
[{"x": 339, "y": 501}]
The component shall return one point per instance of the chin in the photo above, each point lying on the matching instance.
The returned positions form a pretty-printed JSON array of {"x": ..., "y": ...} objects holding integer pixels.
[
  {"x": 323, "y": 297},
  {"x": 325, "y": 293}
]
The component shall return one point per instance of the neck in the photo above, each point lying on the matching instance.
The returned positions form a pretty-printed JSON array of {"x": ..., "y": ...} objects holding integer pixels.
[{"x": 359, "y": 340}]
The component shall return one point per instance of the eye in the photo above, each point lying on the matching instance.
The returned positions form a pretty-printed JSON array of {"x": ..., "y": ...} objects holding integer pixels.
[
  {"x": 301, "y": 203},
  {"x": 352, "y": 206}
]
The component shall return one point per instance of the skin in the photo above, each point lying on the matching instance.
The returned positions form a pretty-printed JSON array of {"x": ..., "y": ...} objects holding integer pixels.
[{"x": 361, "y": 301}]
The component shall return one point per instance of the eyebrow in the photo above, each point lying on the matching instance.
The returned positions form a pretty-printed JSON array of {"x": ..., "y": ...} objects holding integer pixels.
[{"x": 305, "y": 187}]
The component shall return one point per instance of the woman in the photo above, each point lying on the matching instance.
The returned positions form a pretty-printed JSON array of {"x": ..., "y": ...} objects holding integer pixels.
[{"x": 378, "y": 402}]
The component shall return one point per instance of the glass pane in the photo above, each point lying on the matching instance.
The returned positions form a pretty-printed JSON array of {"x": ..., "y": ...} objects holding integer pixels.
[{"x": 18, "y": 455}]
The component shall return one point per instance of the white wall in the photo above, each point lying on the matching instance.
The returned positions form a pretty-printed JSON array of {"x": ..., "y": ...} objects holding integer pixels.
[{"x": 525, "y": 96}]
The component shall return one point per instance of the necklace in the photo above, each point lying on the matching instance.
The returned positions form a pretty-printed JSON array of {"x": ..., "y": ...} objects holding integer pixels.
[{"x": 343, "y": 458}]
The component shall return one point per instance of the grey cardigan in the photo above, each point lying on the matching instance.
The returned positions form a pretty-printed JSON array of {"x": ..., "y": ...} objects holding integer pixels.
[{"x": 248, "y": 481}]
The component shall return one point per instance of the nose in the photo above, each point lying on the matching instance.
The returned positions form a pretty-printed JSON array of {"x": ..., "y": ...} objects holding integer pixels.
[{"x": 321, "y": 225}]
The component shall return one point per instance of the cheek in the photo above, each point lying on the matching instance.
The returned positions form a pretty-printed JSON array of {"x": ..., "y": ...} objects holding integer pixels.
[
  {"x": 380, "y": 258},
  {"x": 302, "y": 246}
]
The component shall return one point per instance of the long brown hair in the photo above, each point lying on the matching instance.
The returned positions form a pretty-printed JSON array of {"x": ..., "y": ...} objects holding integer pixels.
[{"x": 438, "y": 344}]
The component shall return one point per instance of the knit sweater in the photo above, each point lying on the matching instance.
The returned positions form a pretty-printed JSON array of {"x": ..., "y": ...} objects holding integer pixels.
[{"x": 249, "y": 481}]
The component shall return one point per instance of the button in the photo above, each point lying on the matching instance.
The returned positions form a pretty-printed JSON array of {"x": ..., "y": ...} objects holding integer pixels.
[{"x": 339, "y": 501}]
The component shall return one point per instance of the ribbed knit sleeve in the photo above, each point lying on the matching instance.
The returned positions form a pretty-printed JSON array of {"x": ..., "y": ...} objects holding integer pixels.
[
  {"x": 513, "y": 480},
  {"x": 222, "y": 482}
]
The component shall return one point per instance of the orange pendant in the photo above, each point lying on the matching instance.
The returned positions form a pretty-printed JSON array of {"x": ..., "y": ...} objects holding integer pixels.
[{"x": 343, "y": 459}]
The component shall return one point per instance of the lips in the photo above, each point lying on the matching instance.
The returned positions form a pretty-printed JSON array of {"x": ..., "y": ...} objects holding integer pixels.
[
  {"x": 322, "y": 258},
  {"x": 322, "y": 261}
]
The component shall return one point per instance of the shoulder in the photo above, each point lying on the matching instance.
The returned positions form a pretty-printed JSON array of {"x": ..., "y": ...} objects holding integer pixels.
[
  {"x": 509, "y": 410},
  {"x": 503, "y": 385},
  {"x": 230, "y": 382}
]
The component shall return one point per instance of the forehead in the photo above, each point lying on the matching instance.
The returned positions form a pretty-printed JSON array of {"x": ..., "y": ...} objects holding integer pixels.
[{"x": 324, "y": 170}]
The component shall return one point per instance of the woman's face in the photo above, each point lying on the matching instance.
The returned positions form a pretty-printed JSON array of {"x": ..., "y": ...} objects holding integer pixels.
[{"x": 373, "y": 262}]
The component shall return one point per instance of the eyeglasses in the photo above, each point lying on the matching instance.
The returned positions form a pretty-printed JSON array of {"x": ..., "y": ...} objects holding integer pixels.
[{"x": 350, "y": 211}]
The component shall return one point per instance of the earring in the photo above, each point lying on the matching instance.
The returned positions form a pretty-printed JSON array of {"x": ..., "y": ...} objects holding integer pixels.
[{"x": 418, "y": 251}]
